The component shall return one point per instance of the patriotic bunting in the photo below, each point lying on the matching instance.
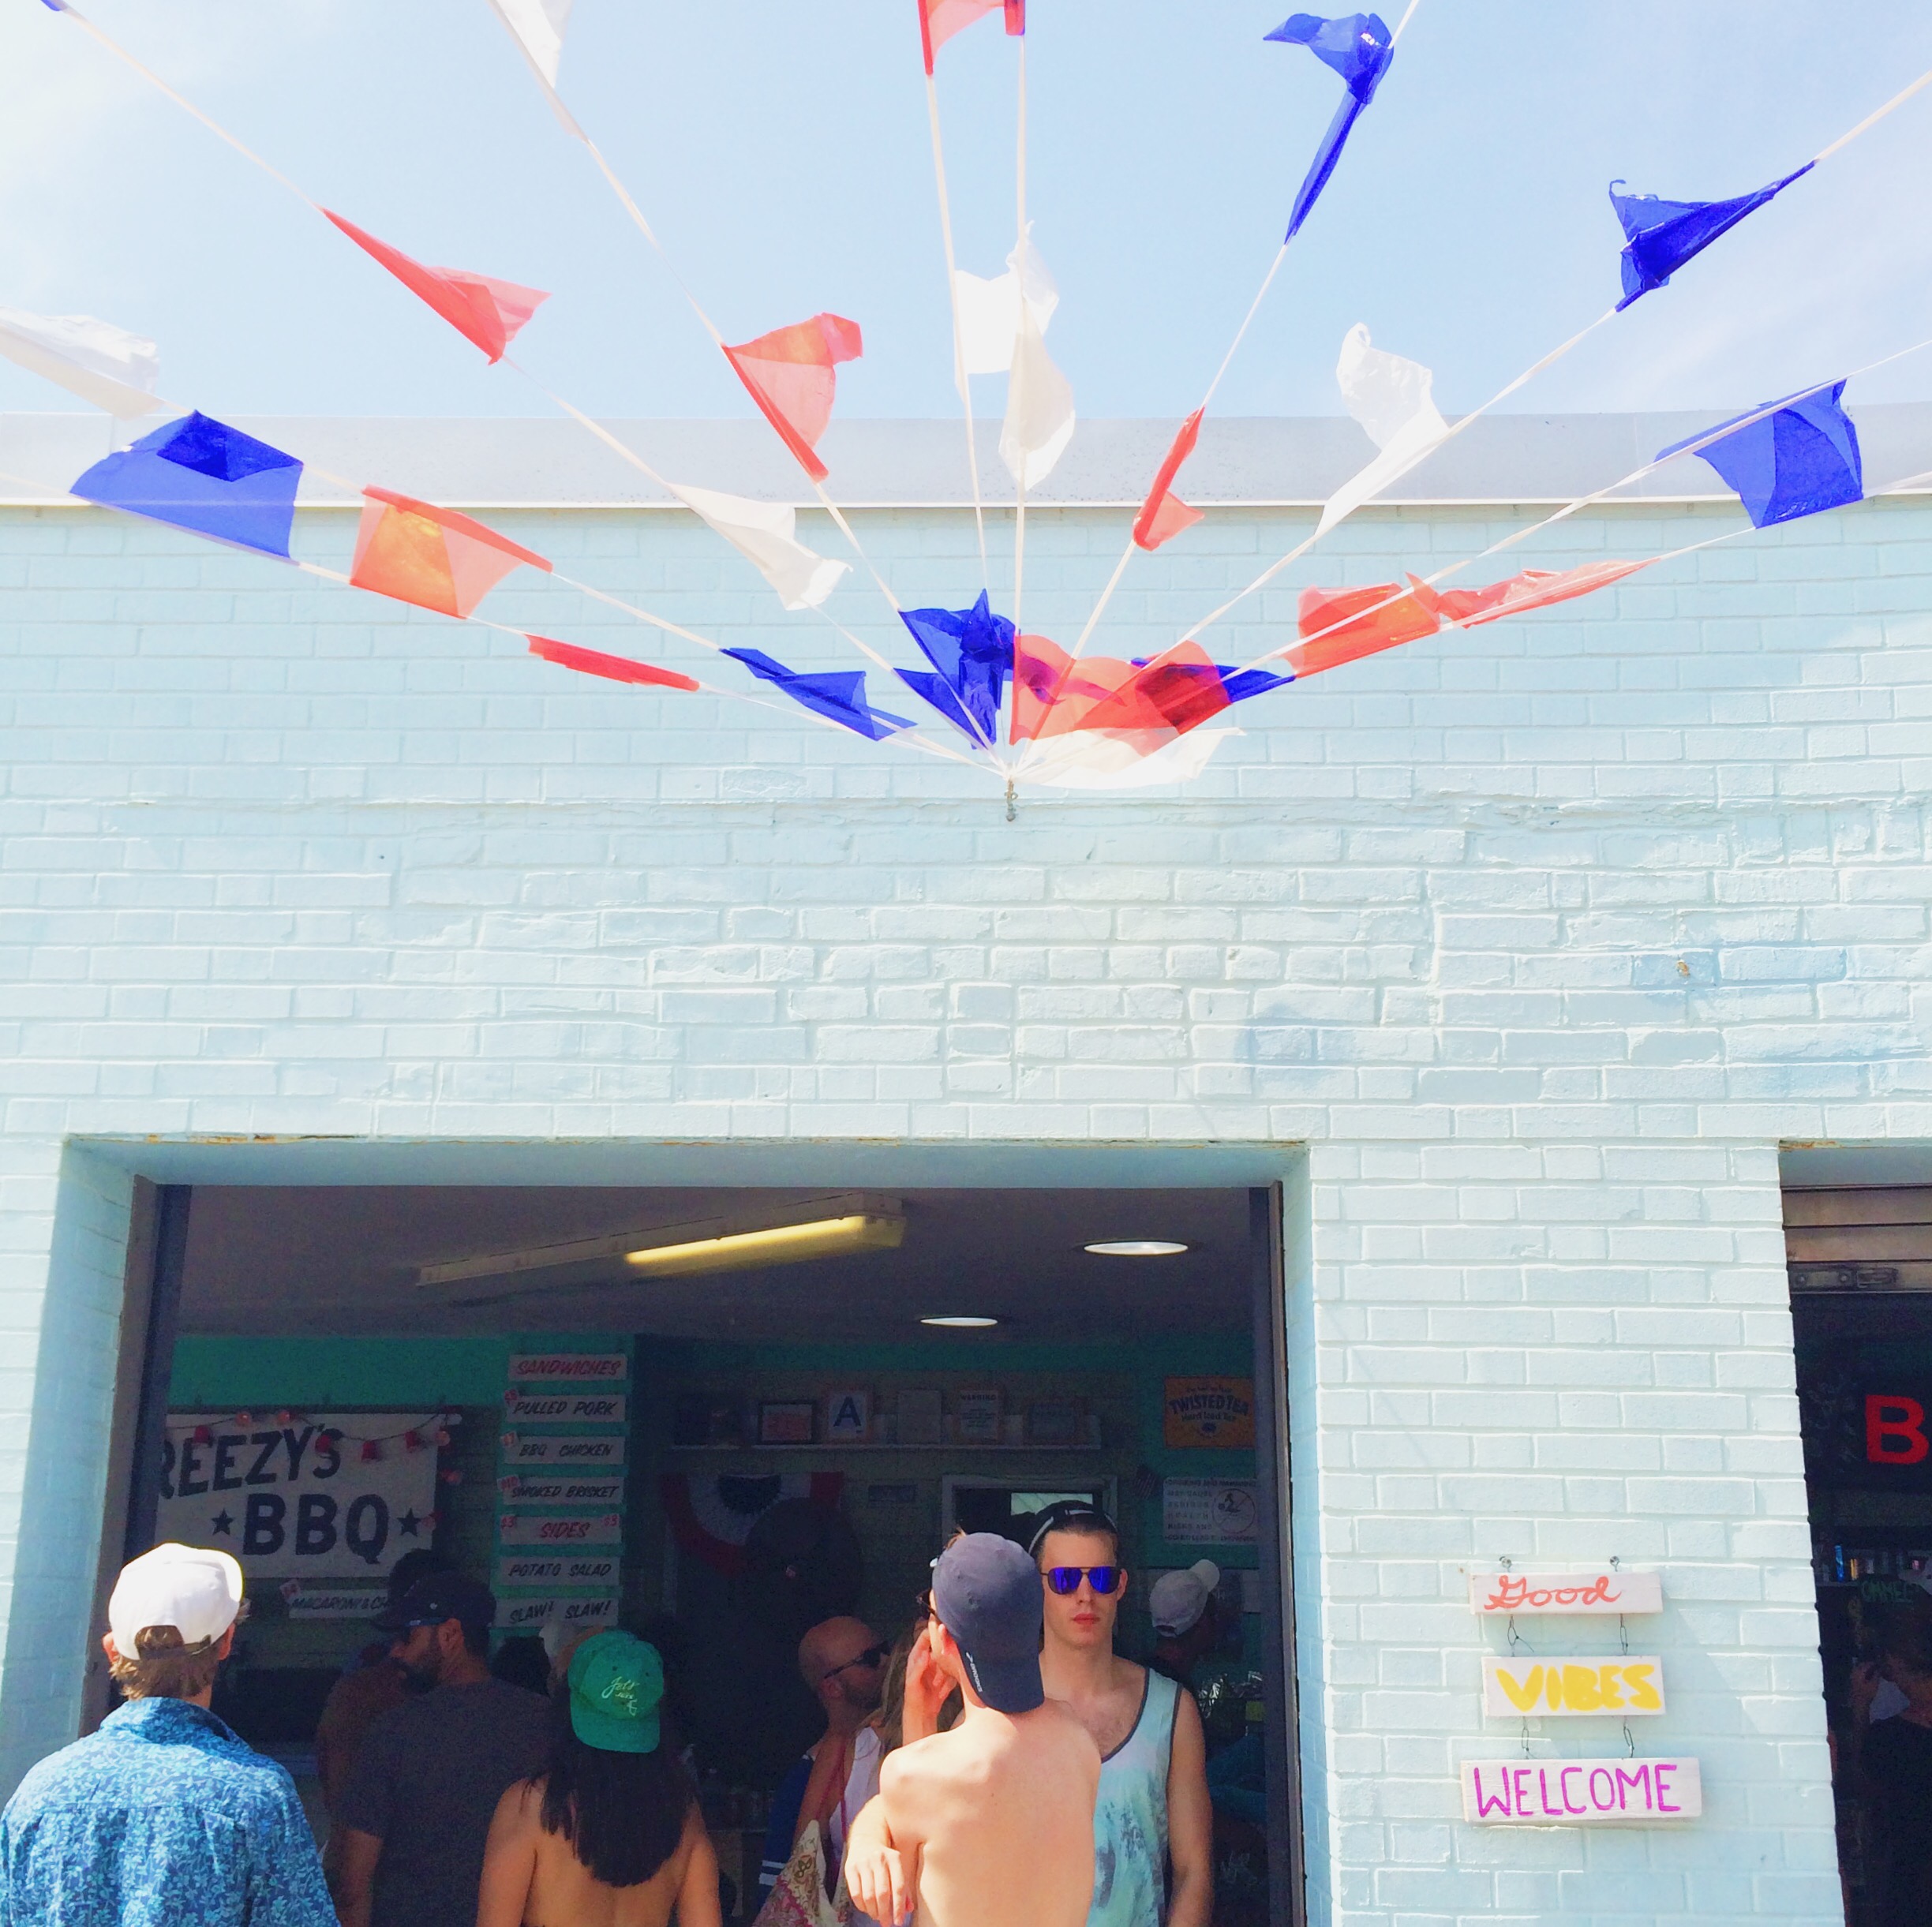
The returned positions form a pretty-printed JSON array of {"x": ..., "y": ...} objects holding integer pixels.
[
  {"x": 1661, "y": 235},
  {"x": 614, "y": 668},
  {"x": 989, "y": 311},
  {"x": 538, "y": 28},
  {"x": 1534, "y": 588},
  {"x": 939, "y": 20},
  {"x": 1391, "y": 397},
  {"x": 415, "y": 552},
  {"x": 1147, "y": 703},
  {"x": 972, "y": 651},
  {"x": 765, "y": 534},
  {"x": 1163, "y": 514},
  {"x": 790, "y": 373},
  {"x": 839, "y": 697},
  {"x": 1039, "y": 408},
  {"x": 1360, "y": 47},
  {"x": 104, "y": 365},
  {"x": 485, "y": 311},
  {"x": 1801, "y": 458},
  {"x": 200, "y": 475}
]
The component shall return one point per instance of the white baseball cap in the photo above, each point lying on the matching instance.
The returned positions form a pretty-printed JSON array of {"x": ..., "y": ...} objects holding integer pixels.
[
  {"x": 1179, "y": 1598},
  {"x": 193, "y": 1588}
]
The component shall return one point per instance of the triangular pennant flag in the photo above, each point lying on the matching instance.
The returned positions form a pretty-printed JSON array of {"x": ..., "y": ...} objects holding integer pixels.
[
  {"x": 765, "y": 534},
  {"x": 839, "y": 696},
  {"x": 537, "y": 27},
  {"x": 615, "y": 668},
  {"x": 972, "y": 650},
  {"x": 1661, "y": 235},
  {"x": 1147, "y": 703},
  {"x": 1039, "y": 408},
  {"x": 104, "y": 365},
  {"x": 939, "y": 20},
  {"x": 1534, "y": 588},
  {"x": 483, "y": 310},
  {"x": 433, "y": 557},
  {"x": 789, "y": 373},
  {"x": 1391, "y": 397},
  {"x": 1801, "y": 458},
  {"x": 989, "y": 311},
  {"x": 1163, "y": 514},
  {"x": 1360, "y": 47},
  {"x": 201, "y": 475},
  {"x": 1344, "y": 625}
]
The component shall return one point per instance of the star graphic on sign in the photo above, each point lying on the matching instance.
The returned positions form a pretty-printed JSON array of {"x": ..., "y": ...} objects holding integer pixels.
[
  {"x": 223, "y": 1523},
  {"x": 406, "y": 1524}
]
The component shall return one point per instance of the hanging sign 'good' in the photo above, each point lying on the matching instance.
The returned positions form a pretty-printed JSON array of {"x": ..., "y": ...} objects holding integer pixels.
[
  {"x": 569, "y": 1368},
  {"x": 522, "y": 1531},
  {"x": 547, "y": 1449},
  {"x": 551, "y": 1570},
  {"x": 564, "y": 1407},
  {"x": 1522, "y": 1688},
  {"x": 1602, "y": 1590},
  {"x": 533, "y": 1615},
  {"x": 300, "y": 1500},
  {"x": 1580, "y": 1793},
  {"x": 563, "y": 1488}
]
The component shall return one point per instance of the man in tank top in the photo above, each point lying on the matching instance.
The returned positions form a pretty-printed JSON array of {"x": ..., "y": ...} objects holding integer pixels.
[{"x": 1153, "y": 1815}]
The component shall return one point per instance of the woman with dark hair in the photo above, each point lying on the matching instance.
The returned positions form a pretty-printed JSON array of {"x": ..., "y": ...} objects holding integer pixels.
[{"x": 609, "y": 1834}]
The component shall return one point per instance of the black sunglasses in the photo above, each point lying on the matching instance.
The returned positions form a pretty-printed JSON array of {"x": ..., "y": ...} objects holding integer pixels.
[
  {"x": 872, "y": 1656},
  {"x": 1065, "y": 1579}
]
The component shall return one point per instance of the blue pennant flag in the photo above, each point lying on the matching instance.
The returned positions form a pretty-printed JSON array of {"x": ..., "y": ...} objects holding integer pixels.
[
  {"x": 972, "y": 650},
  {"x": 839, "y": 695},
  {"x": 1359, "y": 47},
  {"x": 1661, "y": 235},
  {"x": 201, "y": 475},
  {"x": 1802, "y": 457}
]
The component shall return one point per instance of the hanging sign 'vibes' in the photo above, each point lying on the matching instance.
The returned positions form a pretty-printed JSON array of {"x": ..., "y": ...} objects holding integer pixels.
[{"x": 1528, "y": 1689}]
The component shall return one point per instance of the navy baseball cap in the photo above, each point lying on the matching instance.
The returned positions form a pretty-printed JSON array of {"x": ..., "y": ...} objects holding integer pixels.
[
  {"x": 441, "y": 1596},
  {"x": 987, "y": 1592}
]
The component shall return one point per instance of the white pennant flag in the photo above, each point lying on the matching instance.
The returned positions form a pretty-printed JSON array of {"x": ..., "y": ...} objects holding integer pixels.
[
  {"x": 1040, "y": 407},
  {"x": 989, "y": 311},
  {"x": 1391, "y": 397},
  {"x": 765, "y": 534},
  {"x": 103, "y": 364},
  {"x": 538, "y": 28}
]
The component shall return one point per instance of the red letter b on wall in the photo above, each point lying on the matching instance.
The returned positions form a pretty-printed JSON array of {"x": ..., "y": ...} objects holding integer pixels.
[{"x": 1895, "y": 1433}]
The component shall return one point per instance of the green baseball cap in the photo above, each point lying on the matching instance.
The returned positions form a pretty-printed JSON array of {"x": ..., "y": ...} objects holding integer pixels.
[{"x": 616, "y": 1684}]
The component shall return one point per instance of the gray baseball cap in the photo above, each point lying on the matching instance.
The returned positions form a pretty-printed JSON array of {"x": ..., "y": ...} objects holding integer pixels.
[{"x": 987, "y": 1592}]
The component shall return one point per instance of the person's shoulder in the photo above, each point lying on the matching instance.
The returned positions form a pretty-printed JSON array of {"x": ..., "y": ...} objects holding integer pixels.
[{"x": 78, "y": 1766}]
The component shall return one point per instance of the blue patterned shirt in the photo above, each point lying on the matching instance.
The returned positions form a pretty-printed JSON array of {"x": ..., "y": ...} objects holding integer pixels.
[{"x": 163, "y": 1818}]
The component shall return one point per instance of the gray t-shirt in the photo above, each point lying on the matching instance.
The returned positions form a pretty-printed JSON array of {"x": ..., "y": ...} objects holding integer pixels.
[{"x": 426, "y": 1781}]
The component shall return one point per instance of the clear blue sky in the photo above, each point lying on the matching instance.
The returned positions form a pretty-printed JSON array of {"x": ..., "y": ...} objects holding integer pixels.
[{"x": 782, "y": 150}]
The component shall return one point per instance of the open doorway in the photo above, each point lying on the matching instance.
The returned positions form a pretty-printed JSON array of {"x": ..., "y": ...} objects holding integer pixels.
[{"x": 715, "y": 1416}]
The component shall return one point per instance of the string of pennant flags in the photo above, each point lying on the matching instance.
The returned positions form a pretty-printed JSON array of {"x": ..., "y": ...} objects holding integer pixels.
[
  {"x": 1013, "y": 703},
  {"x": 433, "y": 1435}
]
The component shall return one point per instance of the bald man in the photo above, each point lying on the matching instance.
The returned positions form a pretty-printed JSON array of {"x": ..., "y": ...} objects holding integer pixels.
[{"x": 842, "y": 1663}]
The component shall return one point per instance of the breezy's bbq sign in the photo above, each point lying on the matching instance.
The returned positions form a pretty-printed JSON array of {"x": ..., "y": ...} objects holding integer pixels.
[
  {"x": 1519, "y": 1688},
  {"x": 1602, "y": 1590},
  {"x": 1580, "y": 1793}
]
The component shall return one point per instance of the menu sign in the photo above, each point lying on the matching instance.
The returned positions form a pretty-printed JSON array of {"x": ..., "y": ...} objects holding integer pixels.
[
  {"x": 564, "y": 1407},
  {"x": 530, "y": 1531},
  {"x": 534, "y": 1615},
  {"x": 1579, "y": 1793},
  {"x": 1604, "y": 1590}
]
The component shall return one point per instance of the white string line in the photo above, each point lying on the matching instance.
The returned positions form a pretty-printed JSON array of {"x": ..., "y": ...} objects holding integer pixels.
[
  {"x": 1872, "y": 120},
  {"x": 1020, "y": 252},
  {"x": 960, "y": 379},
  {"x": 644, "y": 226}
]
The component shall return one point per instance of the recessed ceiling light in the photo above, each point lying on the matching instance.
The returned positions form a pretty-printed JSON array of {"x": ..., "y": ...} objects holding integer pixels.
[
  {"x": 961, "y": 1321},
  {"x": 1137, "y": 1248}
]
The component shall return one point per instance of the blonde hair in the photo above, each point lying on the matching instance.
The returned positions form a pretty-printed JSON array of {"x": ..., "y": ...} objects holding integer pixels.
[{"x": 164, "y": 1667}]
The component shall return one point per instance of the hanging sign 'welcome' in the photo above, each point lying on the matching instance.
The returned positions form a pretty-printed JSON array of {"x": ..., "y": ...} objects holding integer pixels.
[
  {"x": 1528, "y": 1689},
  {"x": 1580, "y": 1793},
  {"x": 1603, "y": 1591}
]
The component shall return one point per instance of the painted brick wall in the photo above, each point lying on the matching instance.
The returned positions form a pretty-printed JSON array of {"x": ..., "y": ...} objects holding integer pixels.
[{"x": 1539, "y": 938}]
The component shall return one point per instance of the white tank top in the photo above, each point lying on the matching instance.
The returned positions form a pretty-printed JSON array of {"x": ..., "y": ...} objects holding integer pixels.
[{"x": 1130, "y": 1817}]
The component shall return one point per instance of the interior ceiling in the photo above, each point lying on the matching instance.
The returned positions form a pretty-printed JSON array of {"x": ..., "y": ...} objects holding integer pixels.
[{"x": 314, "y": 1261}]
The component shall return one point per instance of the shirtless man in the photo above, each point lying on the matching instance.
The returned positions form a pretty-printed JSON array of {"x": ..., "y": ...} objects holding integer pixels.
[
  {"x": 991, "y": 1823},
  {"x": 1153, "y": 1812}
]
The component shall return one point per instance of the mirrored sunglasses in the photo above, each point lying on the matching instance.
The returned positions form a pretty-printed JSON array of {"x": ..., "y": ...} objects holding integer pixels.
[{"x": 1065, "y": 1579}]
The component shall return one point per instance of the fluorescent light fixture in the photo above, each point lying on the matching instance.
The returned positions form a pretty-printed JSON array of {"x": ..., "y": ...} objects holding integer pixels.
[
  {"x": 961, "y": 1321},
  {"x": 776, "y": 1244},
  {"x": 1137, "y": 1248},
  {"x": 785, "y": 1232}
]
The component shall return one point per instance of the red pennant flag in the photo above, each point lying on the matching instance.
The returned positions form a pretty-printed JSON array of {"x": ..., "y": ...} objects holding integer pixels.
[
  {"x": 1534, "y": 589},
  {"x": 939, "y": 20},
  {"x": 1163, "y": 514},
  {"x": 433, "y": 557},
  {"x": 594, "y": 662},
  {"x": 1169, "y": 695},
  {"x": 488, "y": 312},
  {"x": 1054, "y": 695},
  {"x": 1356, "y": 626},
  {"x": 370, "y": 1451},
  {"x": 789, "y": 373}
]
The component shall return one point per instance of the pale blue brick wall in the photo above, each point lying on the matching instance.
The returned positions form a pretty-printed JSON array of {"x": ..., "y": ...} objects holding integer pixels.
[{"x": 1541, "y": 939}]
